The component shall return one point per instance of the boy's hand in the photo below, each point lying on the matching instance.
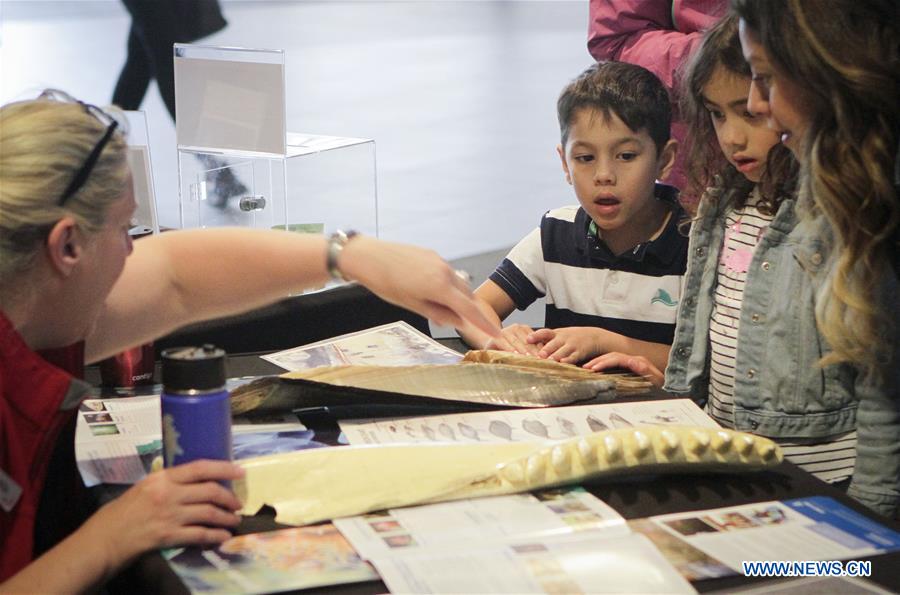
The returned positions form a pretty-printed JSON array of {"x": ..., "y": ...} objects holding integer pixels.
[
  {"x": 514, "y": 338},
  {"x": 638, "y": 364},
  {"x": 568, "y": 345}
]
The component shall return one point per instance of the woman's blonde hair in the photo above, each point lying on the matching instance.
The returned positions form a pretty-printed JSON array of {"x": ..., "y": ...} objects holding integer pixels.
[
  {"x": 846, "y": 53},
  {"x": 44, "y": 143}
]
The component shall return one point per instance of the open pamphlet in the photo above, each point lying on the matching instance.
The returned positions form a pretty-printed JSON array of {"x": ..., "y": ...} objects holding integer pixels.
[
  {"x": 584, "y": 563},
  {"x": 553, "y": 541},
  {"x": 120, "y": 440},
  {"x": 514, "y": 425},
  {"x": 560, "y": 540},
  {"x": 394, "y": 344},
  {"x": 499, "y": 519},
  {"x": 283, "y": 560},
  {"x": 714, "y": 543}
]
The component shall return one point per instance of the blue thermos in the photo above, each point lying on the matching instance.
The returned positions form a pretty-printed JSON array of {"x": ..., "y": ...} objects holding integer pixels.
[{"x": 196, "y": 411}]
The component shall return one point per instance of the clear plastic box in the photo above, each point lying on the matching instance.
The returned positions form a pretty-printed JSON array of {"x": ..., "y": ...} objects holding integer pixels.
[
  {"x": 145, "y": 220},
  {"x": 237, "y": 165}
]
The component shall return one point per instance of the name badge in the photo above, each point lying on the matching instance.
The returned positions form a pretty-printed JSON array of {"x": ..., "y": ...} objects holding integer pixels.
[{"x": 9, "y": 491}]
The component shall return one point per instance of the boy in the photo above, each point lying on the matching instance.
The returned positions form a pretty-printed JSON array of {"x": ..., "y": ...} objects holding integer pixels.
[{"x": 610, "y": 269}]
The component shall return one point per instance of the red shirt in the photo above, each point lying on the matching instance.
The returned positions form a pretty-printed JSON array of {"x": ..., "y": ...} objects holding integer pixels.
[{"x": 37, "y": 399}]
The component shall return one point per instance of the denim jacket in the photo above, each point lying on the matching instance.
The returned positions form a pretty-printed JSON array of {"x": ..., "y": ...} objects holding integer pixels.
[{"x": 780, "y": 390}]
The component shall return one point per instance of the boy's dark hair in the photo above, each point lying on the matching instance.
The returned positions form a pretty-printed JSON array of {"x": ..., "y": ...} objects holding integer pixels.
[{"x": 631, "y": 92}]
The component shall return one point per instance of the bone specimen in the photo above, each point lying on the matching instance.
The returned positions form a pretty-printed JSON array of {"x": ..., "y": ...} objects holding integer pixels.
[
  {"x": 429, "y": 433},
  {"x": 313, "y": 485}
]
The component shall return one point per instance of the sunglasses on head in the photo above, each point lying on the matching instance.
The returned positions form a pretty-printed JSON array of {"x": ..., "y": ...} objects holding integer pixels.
[{"x": 88, "y": 166}]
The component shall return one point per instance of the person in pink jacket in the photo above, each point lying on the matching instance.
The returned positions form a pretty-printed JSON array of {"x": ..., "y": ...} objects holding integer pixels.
[{"x": 657, "y": 35}]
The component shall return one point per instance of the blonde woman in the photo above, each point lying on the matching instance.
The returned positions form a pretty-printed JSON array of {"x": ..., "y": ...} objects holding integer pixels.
[{"x": 73, "y": 289}]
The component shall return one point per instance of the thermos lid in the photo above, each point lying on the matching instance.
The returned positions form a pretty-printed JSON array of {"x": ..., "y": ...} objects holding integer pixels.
[{"x": 193, "y": 368}]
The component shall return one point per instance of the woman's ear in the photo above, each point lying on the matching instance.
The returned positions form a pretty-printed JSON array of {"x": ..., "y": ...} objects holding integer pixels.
[
  {"x": 666, "y": 159},
  {"x": 64, "y": 246},
  {"x": 562, "y": 157}
]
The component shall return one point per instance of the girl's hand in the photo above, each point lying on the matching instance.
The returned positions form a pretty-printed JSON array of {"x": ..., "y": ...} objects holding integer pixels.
[
  {"x": 637, "y": 364},
  {"x": 414, "y": 278},
  {"x": 569, "y": 345},
  {"x": 177, "y": 506},
  {"x": 514, "y": 338}
]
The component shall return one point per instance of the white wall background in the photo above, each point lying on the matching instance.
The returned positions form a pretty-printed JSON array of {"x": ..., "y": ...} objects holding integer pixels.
[{"x": 459, "y": 96}]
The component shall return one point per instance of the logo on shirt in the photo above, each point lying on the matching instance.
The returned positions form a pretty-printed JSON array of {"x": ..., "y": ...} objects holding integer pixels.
[{"x": 662, "y": 296}]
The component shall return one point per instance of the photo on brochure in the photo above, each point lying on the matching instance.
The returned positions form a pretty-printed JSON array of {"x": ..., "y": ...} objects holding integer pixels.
[
  {"x": 691, "y": 563},
  {"x": 283, "y": 560},
  {"x": 813, "y": 528}
]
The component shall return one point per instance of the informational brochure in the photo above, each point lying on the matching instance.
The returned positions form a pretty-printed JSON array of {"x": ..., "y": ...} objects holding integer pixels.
[
  {"x": 500, "y": 519},
  {"x": 554, "y": 541},
  {"x": 803, "y": 529},
  {"x": 116, "y": 440},
  {"x": 120, "y": 440},
  {"x": 284, "y": 560},
  {"x": 516, "y": 425},
  {"x": 693, "y": 564},
  {"x": 394, "y": 344},
  {"x": 586, "y": 562}
]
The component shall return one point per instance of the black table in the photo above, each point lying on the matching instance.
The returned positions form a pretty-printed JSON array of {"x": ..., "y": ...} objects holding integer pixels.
[
  {"x": 632, "y": 496},
  {"x": 305, "y": 319}
]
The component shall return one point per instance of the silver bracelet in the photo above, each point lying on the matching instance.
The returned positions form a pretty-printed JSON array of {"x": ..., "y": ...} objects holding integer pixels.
[{"x": 336, "y": 243}]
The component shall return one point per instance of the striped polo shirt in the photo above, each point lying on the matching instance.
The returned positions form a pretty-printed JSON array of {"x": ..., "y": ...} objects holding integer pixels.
[{"x": 634, "y": 294}]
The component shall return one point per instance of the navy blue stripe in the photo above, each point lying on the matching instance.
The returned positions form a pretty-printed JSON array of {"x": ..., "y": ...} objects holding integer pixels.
[
  {"x": 658, "y": 332},
  {"x": 516, "y": 285},
  {"x": 556, "y": 241},
  {"x": 561, "y": 244}
]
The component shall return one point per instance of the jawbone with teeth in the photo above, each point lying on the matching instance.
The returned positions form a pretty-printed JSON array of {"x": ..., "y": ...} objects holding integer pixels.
[{"x": 314, "y": 485}]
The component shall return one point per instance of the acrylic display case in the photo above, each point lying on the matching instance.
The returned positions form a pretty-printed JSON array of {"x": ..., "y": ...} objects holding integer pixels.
[
  {"x": 238, "y": 165},
  {"x": 145, "y": 220}
]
